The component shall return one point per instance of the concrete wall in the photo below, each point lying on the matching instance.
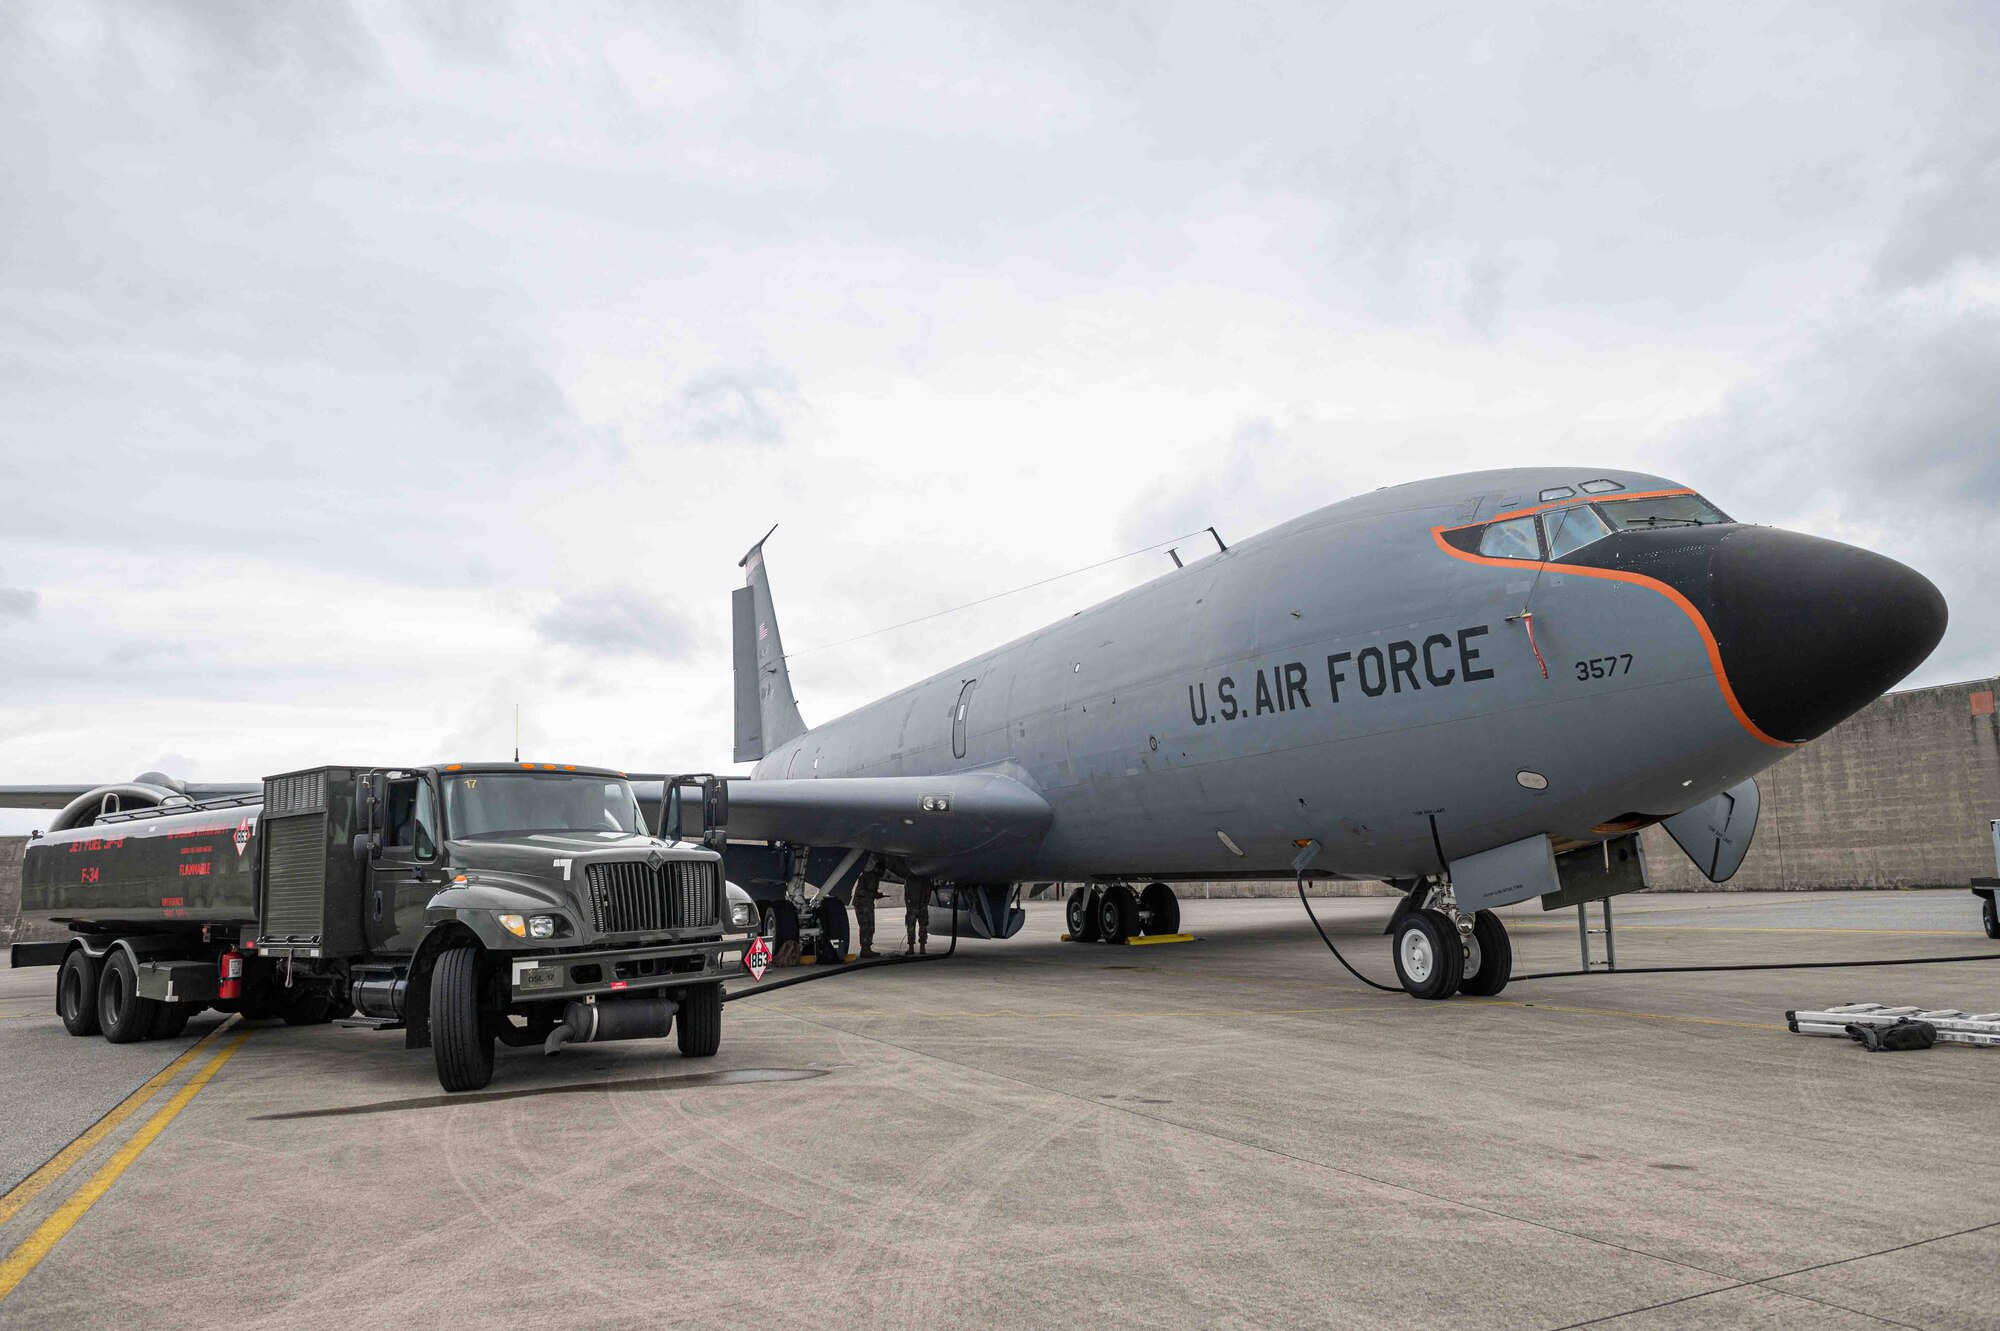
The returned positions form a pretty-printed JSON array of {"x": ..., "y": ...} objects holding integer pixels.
[
  {"x": 10, "y": 886},
  {"x": 1900, "y": 795}
]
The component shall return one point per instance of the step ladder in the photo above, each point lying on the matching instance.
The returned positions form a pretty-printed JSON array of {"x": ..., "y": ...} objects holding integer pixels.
[{"x": 1953, "y": 1026}]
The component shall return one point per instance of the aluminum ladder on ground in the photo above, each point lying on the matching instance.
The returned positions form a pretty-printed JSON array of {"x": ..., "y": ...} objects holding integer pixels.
[{"x": 1953, "y": 1026}]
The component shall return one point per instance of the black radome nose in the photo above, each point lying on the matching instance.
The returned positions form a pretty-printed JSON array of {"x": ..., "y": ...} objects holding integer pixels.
[{"x": 1811, "y": 631}]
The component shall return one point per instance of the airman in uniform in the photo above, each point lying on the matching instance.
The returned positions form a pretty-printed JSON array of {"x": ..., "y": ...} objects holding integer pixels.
[
  {"x": 867, "y": 891},
  {"x": 916, "y": 914}
]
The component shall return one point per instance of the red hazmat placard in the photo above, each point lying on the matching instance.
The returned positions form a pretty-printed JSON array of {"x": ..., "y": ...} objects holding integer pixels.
[{"x": 757, "y": 958}]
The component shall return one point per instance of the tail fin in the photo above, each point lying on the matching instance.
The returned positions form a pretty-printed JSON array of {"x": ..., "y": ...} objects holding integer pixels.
[{"x": 766, "y": 715}]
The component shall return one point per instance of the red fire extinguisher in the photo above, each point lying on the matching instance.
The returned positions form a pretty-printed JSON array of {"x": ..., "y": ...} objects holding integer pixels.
[{"x": 232, "y": 974}]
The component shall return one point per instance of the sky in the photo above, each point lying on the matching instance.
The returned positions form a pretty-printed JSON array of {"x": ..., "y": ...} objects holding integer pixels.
[{"x": 369, "y": 371}]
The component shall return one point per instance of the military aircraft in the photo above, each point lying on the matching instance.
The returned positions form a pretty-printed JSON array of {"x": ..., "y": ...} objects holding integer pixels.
[
  {"x": 1449, "y": 685},
  {"x": 1468, "y": 686}
]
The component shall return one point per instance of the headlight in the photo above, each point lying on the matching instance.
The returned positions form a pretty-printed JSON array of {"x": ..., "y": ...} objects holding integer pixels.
[
  {"x": 514, "y": 925},
  {"x": 542, "y": 926},
  {"x": 743, "y": 915}
]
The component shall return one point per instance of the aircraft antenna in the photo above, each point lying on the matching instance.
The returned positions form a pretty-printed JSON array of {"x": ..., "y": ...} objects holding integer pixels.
[{"x": 517, "y": 732}]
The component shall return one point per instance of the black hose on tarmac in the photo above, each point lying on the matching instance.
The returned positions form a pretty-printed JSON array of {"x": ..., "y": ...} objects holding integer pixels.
[
  {"x": 851, "y": 968},
  {"x": 1656, "y": 970}
]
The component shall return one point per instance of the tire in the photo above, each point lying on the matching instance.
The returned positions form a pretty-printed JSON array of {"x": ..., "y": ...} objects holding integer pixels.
[
  {"x": 1489, "y": 957},
  {"x": 310, "y": 1008},
  {"x": 171, "y": 1020},
  {"x": 1992, "y": 918},
  {"x": 1117, "y": 914},
  {"x": 698, "y": 1025},
  {"x": 1081, "y": 915},
  {"x": 460, "y": 1037},
  {"x": 833, "y": 931},
  {"x": 125, "y": 1017},
  {"x": 780, "y": 924},
  {"x": 76, "y": 993},
  {"x": 1430, "y": 960},
  {"x": 1161, "y": 908}
]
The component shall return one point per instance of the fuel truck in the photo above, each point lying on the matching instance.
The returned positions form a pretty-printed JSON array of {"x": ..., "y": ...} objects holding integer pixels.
[{"x": 463, "y": 904}]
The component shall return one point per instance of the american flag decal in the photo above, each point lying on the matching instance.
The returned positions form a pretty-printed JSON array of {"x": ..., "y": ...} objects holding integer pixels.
[{"x": 763, "y": 632}]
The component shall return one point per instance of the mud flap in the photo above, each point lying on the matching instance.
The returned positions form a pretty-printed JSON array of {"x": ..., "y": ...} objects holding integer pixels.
[{"x": 1716, "y": 833}]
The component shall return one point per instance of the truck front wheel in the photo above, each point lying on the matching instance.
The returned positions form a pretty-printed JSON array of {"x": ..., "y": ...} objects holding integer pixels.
[
  {"x": 125, "y": 1016},
  {"x": 698, "y": 1026},
  {"x": 460, "y": 1038},
  {"x": 76, "y": 993}
]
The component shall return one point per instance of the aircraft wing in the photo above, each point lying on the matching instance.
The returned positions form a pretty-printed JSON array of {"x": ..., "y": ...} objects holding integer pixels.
[{"x": 926, "y": 818}]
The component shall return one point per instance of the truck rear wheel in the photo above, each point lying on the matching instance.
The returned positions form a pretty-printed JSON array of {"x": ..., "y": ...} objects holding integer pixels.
[
  {"x": 125, "y": 1017},
  {"x": 76, "y": 993},
  {"x": 308, "y": 1008},
  {"x": 698, "y": 1025},
  {"x": 170, "y": 1021},
  {"x": 460, "y": 1038}
]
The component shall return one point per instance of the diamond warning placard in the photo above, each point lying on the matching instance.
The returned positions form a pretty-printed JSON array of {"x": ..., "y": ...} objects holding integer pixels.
[{"x": 757, "y": 958}]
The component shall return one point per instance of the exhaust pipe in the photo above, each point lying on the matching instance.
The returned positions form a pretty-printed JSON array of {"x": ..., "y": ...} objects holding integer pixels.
[{"x": 627, "y": 1019}]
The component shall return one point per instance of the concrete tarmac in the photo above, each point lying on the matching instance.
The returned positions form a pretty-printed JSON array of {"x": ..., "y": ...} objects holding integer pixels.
[{"x": 1228, "y": 1133}]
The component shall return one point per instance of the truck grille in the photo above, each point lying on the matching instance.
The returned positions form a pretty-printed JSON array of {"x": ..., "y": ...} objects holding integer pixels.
[{"x": 631, "y": 897}]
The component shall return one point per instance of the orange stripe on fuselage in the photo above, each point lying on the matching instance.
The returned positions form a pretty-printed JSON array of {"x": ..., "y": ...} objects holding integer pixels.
[{"x": 1614, "y": 575}]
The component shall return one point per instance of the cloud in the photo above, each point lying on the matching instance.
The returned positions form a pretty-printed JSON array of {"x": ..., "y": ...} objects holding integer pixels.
[
  {"x": 621, "y": 622},
  {"x": 19, "y": 602},
  {"x": 1953, "y": 216},
  {"x": 1884, "y": 431},
  {"x": 739, "y": 406}
]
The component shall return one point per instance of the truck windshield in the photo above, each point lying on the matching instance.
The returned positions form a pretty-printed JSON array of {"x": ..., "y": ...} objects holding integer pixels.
[{"x": 486, "y": 803}]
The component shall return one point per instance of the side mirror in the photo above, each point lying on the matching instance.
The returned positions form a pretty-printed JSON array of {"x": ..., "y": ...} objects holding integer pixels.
[
  {"x": 376, "y": 786},
  {"x": 715, "y": 811},
  {"x": 367, "y": 846}
]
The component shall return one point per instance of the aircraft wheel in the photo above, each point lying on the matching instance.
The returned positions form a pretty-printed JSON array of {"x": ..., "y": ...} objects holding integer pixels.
[
  {"x": 1430, "y": 960},
  {"x": 460, "y": 1037},
  {"x": 1160, "y": 909},
  {"x": 170, "y": 1021},
  {"x": 76, "y": 993},
  {"x": 1992, "y": 919},
  {"x": 1489, "y": 957},
  {"x": 1081, "y": 915},
  {"x": 781, "y": 924},
  {"x": 698, "y": 1025},
  {"x": 1117, "y": 914},
  {"x": 125, "y": 1017},
  {"x": 833, "y": 931}
]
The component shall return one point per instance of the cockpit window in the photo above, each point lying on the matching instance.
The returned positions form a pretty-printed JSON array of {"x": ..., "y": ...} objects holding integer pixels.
[
  {"x": 1665, "y": 511},
  {"x": 1555, "y": 492},
  {"x": 1572, "y": 528},
  {"x": 1513, "y": 539},
  {"x": 1601, "y": 487}
]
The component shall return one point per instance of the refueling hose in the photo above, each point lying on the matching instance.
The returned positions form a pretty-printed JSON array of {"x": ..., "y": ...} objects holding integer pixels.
[
  {"x": 851, "y": 967},
  {"x": 1652, "y": 970}
]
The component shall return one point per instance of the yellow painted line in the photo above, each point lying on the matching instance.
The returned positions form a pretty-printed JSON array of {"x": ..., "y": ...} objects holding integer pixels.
[
  {"x": 32, "y": 1186},
  {"x": 50, "y": 1232}
]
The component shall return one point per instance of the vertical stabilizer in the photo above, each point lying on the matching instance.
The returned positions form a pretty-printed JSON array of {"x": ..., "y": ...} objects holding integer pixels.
[{"x": 766, "y": 714}]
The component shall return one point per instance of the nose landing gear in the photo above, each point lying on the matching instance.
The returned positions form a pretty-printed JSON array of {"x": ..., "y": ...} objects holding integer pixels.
[{"x": 1440, "y": 951}]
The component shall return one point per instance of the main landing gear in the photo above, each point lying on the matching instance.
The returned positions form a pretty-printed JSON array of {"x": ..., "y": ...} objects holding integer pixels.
[
  {"x": 1113, "y": 912},
  {"x": 1440, "y": 951}
]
